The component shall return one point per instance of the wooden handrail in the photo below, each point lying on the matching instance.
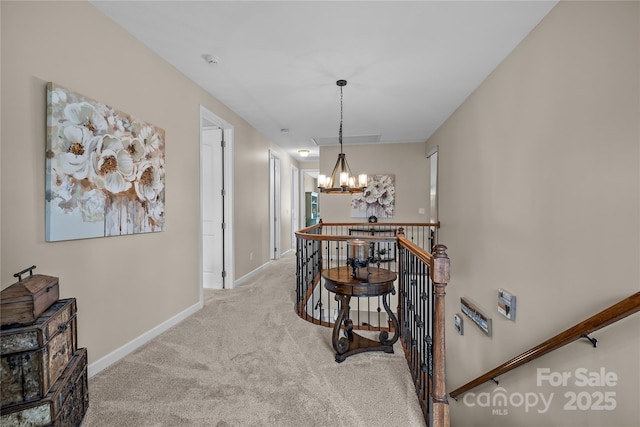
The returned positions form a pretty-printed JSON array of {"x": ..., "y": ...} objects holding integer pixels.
[
  {"x": 338, "y": 238},
  {"x": 375, "y": 224},
  {"x": 391, "y": 225},
  {"x": 616, "y": 312},
  {"x": 420, "y": 253}
]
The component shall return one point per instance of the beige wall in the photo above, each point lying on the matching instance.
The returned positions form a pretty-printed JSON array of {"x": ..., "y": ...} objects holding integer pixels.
[
  {"x": 539, "y": 194},
  {"x": 407, "y": 161},
  {"x": 127, "y": 285},
  {"x": 0, "y": 147},
  {"x": 310, "y": 184}
]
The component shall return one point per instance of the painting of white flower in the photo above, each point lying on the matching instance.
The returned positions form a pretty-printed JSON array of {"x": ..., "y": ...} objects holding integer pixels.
[
  {"x": 105, "y": 170},
  {"x": 377, "y": 199}
]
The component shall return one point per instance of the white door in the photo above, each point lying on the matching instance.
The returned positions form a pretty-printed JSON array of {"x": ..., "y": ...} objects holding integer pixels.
[
  {"x": 211, "y": 186},
  {"x": 216, "y": 201},
  {"x": 275, "y": 206}
]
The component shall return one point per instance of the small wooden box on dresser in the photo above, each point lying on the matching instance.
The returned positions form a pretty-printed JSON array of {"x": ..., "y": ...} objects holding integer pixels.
[
  {"x": 42, "y": 372},
  {"x": 24, "y": 301}
]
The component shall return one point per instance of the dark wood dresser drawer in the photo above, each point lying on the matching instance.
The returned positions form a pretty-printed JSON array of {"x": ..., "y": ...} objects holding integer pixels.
[{"x": 33, "y": 357}]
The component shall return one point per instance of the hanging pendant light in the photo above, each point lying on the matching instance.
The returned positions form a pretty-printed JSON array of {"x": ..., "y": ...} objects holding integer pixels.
[{"x": 341, "y": 179}]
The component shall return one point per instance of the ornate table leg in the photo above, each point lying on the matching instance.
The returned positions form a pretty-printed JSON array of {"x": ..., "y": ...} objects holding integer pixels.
[
  {"x": 384, "y": 335},
  {"x": 341, "y": 345}
]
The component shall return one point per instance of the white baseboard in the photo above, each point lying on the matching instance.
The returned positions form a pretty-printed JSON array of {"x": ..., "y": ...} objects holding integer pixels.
[
  {"x": 129, "y": 347},
  {"x": 250, "y": 274}
]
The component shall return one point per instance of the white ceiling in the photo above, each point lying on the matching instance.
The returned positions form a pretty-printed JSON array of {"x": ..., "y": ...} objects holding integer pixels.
[{"x": 409, "y": 64}]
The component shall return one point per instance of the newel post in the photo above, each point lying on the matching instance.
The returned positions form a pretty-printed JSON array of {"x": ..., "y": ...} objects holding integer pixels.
[{"x": 440, "y": 274}]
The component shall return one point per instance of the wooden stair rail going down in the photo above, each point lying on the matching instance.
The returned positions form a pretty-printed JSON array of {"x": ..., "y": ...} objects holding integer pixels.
[{"x": 598, "y": 321}]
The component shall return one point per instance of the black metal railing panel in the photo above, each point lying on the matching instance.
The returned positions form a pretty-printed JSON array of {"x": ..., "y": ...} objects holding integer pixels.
[
  {"x": 326, "y": 246},
  {"x": 416, "y": 308},
  {"x": 308, "y": 267}
]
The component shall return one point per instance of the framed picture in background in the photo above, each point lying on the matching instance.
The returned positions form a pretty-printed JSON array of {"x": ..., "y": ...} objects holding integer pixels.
[
  {"x": 377, "y": 200},
  {"x": 104, "y": 170}
]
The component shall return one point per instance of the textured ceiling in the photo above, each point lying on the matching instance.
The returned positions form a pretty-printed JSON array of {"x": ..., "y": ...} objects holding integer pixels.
[{"x": 409, "y": 65}]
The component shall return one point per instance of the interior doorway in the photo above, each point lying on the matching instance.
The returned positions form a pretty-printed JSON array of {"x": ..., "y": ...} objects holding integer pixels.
[
  {"x": 309, "y": 185},
  {"x": 275, "y": 205},
  {"x": 216, "y": 231},
  {"x": 433, "y": 184},
  {"x": 295, "y": 204}
]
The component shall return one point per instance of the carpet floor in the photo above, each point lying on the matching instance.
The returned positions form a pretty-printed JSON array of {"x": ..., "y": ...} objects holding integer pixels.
[{"x": 247, "y": 359}]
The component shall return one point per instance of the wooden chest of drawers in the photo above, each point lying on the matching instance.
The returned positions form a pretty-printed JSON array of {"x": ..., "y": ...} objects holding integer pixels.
[{"x": 33, "y": 357}]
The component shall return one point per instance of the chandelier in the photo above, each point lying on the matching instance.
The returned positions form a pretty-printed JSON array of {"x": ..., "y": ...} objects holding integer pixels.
[{"x": 341, "y": 179}]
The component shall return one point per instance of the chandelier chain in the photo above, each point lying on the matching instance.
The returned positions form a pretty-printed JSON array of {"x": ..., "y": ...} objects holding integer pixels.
[
  {"x": 340, "y": 130},
  {"x": 341, "y": 179}
]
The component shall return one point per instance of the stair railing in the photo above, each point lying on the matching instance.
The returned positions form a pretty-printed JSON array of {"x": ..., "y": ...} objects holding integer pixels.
[
  {"x": 606, "y": 317},
  {"x": 421, "y": 315},
  {"x": 324, "y": 246},
  {"x": 422, "y": 277}
]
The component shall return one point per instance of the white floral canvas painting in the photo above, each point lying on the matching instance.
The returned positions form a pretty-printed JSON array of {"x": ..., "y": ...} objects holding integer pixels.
[
  {"x": 378, "y": 199},
  {"x": 105, "y": 170}
]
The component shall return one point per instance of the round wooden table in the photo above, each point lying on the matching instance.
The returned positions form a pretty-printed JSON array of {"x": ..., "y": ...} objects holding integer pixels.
[{"x": 372, "y": 283}]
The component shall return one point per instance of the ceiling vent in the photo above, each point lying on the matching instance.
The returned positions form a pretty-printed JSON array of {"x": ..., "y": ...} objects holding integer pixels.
[{"x": 349, "y": 140}]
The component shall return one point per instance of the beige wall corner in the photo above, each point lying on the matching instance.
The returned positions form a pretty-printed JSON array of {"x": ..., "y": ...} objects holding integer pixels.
[{"x": 540, "y": 195}]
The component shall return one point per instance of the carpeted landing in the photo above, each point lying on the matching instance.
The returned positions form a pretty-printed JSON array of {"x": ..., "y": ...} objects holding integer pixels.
[{"x": 247, "y": 359}]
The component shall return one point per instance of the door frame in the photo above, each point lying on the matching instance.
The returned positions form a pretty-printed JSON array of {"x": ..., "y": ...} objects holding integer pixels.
[
  {"x": 295, "y": 204},
  {"x": 432, "y": 156},
  {"x": 303, "y": 208},
  {"x": 275, "y": 206},
  {"x": 208, "y": 119}
]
